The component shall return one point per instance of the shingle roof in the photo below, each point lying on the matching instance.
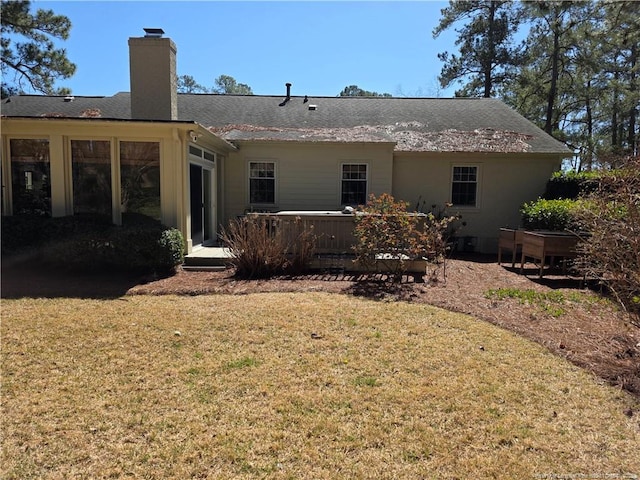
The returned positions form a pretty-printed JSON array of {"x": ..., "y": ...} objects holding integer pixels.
[{"x": 414, "y": 124}]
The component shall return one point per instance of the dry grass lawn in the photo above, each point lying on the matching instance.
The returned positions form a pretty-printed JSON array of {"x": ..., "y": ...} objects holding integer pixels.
[{"x": 295, "y": 385}]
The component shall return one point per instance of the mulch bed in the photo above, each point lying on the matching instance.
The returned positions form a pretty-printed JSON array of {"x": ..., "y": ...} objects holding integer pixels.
[{"x": 591, "y": 333}]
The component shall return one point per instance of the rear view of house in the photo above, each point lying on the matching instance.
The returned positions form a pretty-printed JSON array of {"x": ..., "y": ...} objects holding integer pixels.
[{"x": 196, "y": 161}]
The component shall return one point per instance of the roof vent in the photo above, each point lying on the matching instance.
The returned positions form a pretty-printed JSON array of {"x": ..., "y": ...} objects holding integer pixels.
[
  {"x": 284, "y": 102},
  {"x": 313, "y": 107},
  {"x": 153, "y": 32},
  {"x": 69, "y": 98}
]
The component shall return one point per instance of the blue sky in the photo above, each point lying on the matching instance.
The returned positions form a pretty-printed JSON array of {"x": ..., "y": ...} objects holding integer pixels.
[{"x": 320, "y": 47}]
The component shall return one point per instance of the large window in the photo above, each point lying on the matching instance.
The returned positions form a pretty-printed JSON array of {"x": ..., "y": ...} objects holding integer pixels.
[
  {"x": 354, "y": 184},
  {"x": 91, "y": 171},
  {"x": 140, "y": 181},
  {"x": 30, "y": 177},
  {"x": 464, "y": 186},
  {"x": 262, "y": 182}
]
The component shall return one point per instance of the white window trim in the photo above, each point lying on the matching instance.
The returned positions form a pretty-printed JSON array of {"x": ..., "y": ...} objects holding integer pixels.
[
  {"x": 478, "y": 203},
  {"x": 201, "y": 160},
  {"x": 275, "y": 183},
  {"x": 354, "y": 162}
]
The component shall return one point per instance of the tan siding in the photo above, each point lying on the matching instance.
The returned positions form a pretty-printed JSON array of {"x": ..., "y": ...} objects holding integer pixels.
[
  {"x": 506, "y": 182},
  {"x": 308, "y": 177}
]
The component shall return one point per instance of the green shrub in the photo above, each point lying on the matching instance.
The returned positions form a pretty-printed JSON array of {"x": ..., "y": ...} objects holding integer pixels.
[
  {"x": 29, "y": 232},
  {"x": 135, "y": 249},
  {"x": 146, "y": 248},
  {"x": 555, "y": 215},
  {"x": 571, "y": 184}
]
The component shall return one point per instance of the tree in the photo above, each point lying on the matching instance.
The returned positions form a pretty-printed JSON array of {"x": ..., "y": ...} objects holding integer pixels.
[
  {"x": 486, "y": 50},
  {"x": 355, "y": 91},
  {"x": 28, "y": 50},
  {"x": 188, "y": 84},
  {"x": 227, "y": 85}
]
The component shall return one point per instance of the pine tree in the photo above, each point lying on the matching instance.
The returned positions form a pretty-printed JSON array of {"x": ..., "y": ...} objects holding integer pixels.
[{"x": 30, "y": 60}]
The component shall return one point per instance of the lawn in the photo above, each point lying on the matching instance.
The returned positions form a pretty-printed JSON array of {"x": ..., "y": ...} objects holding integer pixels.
[{"x": 295, "y": 385}]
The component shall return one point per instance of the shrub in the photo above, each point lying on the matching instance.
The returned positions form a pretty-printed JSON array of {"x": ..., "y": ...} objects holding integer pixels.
[
  {"x": 146, "y": 248},
  {"x": 29, "y": 232},
  {"x": 135, "y": 249},
  {"x": 611, "y": 252},
  {"x": 545, "y": 214},
  {"x": 571, "y": 184},
  {"x": 386, "y": 233},
  {"x": 261, "y": 248}
]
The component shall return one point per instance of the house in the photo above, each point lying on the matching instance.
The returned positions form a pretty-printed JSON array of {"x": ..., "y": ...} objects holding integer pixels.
[{"x": 196, "y": 161}]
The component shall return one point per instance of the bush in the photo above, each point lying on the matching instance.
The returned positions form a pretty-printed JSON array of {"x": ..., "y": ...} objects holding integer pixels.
[
  {"x": 555, "y": 215},
  {"x": 141, "y": 249},
  {"x": 386, "y": 233},
  {"x": 571, "y": 184},
  {"x": 261, "y": 249},
  {"x": 611, "y": 252},
  {"x": 146, "y": 248},
  {"x": 29, "y": 232}
]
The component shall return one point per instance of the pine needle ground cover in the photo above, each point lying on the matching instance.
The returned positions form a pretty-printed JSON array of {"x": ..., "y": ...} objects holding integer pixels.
[{"x": 305, "y": 385}]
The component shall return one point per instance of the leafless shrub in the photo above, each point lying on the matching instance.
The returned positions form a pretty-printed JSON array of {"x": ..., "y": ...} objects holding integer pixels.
[
  {"x": 611, "y": 250},
  {"x": 261, "y": 248}
]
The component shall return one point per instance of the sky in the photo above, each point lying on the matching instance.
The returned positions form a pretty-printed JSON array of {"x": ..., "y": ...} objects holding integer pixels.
[{"x": 319, "y": 47}]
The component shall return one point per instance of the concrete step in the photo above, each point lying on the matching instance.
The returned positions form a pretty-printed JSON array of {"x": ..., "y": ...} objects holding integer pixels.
[
  {"x": 203, "y": 268},
  {"x": 214, "y": 257}
]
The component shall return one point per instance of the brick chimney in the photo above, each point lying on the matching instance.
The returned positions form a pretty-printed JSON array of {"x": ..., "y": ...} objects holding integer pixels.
[{"x": 152, "y": 70}]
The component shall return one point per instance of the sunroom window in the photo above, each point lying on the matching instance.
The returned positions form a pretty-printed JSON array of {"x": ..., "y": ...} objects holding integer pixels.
[
  {"x": 30, "y": 176},
  {"x": 91, "y": 172},
  {"x": 140, "y": 181}
]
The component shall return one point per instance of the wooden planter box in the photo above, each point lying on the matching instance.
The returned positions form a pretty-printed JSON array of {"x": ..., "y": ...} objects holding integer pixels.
[
  {"x": 542, "y": 245},
  {"x": 511, "y": 240}
]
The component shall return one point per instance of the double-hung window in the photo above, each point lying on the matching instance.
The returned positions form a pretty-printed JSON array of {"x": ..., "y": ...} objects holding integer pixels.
[
  {"x": 464, "y": 186},
  {"x": 354, "y": 184},
  {"x": 262, "y": 182}
]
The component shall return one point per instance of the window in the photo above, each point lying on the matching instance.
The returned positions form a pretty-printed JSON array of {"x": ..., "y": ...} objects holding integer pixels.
[
  {"x": 262, "y": 182},
  {"x": 91, "y": 170},
  {"x": 464, "y": 186},
  {"x": 140, "y": 181},
  {"x": 30, "y": 177},
  {"x": 354, "y": 184}
]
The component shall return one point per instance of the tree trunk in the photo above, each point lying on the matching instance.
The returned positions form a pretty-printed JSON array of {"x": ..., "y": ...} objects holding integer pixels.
[
  {"x": 491, "y": 51},
  {"x": 555, "y": 57},
  {"x": 633, "y": 111}
]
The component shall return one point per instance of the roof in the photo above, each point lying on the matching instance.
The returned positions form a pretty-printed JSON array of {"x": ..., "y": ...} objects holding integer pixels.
[{"x": 413, "y": 124}]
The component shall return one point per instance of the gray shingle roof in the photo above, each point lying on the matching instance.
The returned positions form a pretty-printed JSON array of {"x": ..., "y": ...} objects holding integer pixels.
[{"x": 415, "y": 124}]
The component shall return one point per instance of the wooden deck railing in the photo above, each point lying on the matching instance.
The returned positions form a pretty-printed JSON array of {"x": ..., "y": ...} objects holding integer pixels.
[{"x": 333, "y": 230}]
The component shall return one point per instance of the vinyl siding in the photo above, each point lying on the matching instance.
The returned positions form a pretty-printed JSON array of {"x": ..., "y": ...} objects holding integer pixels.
[{"x": 308, "y": 177}]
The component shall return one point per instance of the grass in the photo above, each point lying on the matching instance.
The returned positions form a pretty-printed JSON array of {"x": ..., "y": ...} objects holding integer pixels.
[
  {"x": 549, "y": 302},
  {"x": 294, "y": 386}
]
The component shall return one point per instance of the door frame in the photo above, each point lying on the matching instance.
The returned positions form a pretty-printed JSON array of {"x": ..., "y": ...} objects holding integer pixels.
[{"x": 209, "y": 202}]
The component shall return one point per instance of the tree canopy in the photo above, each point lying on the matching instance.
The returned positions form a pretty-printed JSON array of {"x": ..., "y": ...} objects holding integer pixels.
[
  {"x": 576, "y": 75},
  {"x": 485, "y": 42},
  {"x": 224, "y": 84},
  {"x": 355, "y": 91},
  {"x": 228, "y": 85},
  {"x": 30, "y": 59},
  {"x": 188, "y": 84}
]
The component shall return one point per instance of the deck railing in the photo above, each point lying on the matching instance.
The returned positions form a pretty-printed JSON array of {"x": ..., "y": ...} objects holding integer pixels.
[{"x": 333, "y": 230}]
